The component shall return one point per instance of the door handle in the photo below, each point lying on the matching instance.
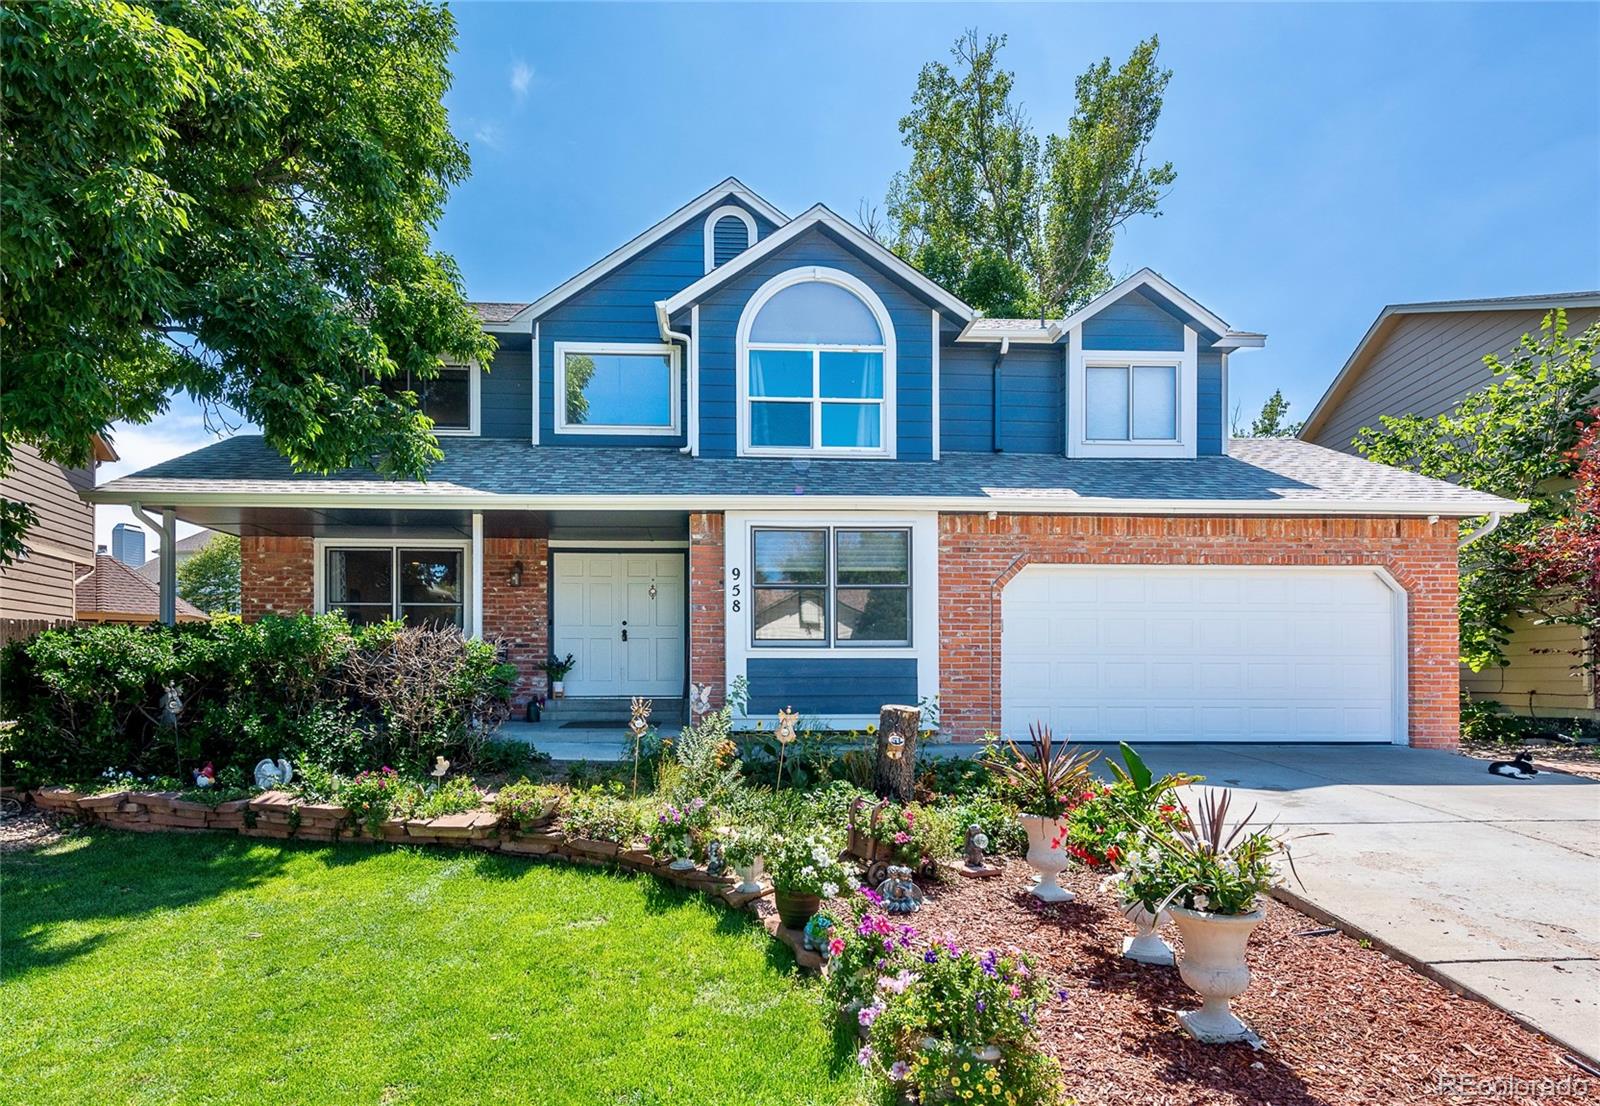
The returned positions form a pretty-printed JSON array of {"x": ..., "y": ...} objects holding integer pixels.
[{"x": 624, "y": 630}]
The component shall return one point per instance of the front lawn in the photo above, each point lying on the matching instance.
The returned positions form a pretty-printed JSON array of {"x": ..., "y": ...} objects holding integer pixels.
[{"x": 208, "y": 969}]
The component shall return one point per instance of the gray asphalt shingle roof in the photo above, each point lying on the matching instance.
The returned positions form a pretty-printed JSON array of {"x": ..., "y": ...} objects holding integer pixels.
[
  {"x": 493, "y": 313},
  {"x": 1284, "y": 475}
]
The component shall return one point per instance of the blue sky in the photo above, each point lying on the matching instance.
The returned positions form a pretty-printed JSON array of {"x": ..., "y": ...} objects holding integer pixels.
[{"x": 1331, "y": 158}]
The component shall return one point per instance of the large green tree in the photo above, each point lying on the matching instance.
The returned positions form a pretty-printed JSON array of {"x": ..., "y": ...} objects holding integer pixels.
[
  {"x": 209, "y": 578},
  {"x": 1273, "y": 422},
  {"x": 1014, "y": 225},
  {"x": 1516, "y": 437},
  {"x": 232, "y": 200}
]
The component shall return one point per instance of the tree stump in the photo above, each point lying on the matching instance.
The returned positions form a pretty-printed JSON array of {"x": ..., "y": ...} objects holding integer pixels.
[{"x": 892, "y": 777}]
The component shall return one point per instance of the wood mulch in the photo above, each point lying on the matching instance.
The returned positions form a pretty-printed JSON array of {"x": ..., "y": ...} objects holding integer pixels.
[
  {"x": 1340, "y": 1024},
  {"x": 30, "y": 829}
]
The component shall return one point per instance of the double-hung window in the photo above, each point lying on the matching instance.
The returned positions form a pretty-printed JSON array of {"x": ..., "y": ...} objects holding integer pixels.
[
  {"x": 817, "y": 374},
  {"x": 417, "y": 585},
  {"x": 450, "y": 399},
  {"x": 616, "y": 389},
  {"x": 841, "y": 586},
  {"x": 1131, "y": 403}
]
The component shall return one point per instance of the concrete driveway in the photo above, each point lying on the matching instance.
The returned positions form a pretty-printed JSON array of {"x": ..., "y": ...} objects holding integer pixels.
[{"x": 1494, "y": 884}]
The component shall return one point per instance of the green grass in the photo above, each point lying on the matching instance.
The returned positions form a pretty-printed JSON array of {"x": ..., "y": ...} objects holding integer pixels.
[{"x": 209, "y": 969}]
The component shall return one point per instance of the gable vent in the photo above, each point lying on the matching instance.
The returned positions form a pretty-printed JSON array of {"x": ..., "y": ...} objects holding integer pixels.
[{"x": 729, "y": 238}]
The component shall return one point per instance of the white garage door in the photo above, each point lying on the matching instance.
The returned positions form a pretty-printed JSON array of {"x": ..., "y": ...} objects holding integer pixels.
[{"x": 1200, "y": 654}]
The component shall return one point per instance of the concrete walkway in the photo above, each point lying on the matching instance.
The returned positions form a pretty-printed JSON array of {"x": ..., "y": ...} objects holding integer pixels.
[{"x": 1493, "y": 884}]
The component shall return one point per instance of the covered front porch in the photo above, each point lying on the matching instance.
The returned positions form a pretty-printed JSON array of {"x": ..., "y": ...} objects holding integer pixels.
[{"x": 609, "y": 589}]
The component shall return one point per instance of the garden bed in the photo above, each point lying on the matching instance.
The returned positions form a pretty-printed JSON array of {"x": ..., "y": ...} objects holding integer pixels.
[{"x": 1340, "y": 1023}]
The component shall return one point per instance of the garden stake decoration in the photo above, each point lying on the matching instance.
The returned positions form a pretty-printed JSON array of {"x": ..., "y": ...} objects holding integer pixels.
[
  {"x": 699, "y": 702},
  {"x": 637, "y": 726},
  {"x": 787, "y": 717}
]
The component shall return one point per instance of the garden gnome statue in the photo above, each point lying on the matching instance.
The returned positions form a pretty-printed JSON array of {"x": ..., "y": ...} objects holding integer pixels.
[
  {"x": 900, "y": 892},
  {"x": 205, "y": 778},
  {"x": 699, "y": 701},
  {"x": 716, "y": 863},
  {"x": 817, "y": 933}
]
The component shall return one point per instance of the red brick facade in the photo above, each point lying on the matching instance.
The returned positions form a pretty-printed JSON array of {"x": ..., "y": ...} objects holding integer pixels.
[
  {"x": 708, "y": 635},
  {"x": 979, "y": 555},
  {"x": 275, "y": 576},
  {"x": 518, "y": 616}
]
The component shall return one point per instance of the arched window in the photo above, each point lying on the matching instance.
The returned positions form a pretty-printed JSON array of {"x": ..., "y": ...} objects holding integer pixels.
[
  {"x": 816, "y": 358},
  {"x": 730, "y": 230}
]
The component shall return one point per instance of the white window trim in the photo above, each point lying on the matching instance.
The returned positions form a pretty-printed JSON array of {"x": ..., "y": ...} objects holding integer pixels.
[
  {"x": 474, "y": 402},
  {"x": 1079, "y": 361},
  {"x": 739, "y": 610},
  {"x": 716, "y": 216},
  {"x": 831, "y": 588},
  {"x": 559, "y": 392},
  {"x": 319, "y": 570},
  {"x": 747, "y": 318}
]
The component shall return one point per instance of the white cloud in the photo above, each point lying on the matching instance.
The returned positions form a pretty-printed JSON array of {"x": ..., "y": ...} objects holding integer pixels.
[
  {"x": 488, "y": 132},
  {"x": 521, "y": 79}
]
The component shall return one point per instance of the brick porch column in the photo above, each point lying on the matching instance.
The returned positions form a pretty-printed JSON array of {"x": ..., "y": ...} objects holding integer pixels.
[
  {"x": 275, "y": 576},
  {"x": 518, "y": 617},
  {"x": 708, "y": 635}
]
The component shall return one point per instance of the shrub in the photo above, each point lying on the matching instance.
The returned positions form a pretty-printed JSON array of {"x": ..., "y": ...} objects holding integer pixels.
[
  {"x": 704, "y": 761},
  {"x": 504, "y": 756},
  {"x": 457, "y": 795},
  {"x": 601, "y": 815},
  {"x": 372, "y": 796},
  {"x": 996, "y": 818},
  {"x": 528, "y": 806}
]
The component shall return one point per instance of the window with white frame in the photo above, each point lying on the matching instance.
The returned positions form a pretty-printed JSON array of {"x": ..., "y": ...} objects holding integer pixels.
[
  {"x": 616, "y": 389},
  {"x": 418, "y": 585},
  {"x": 818, "y": 369},
  {"x": 1131, "y": 403},
  {"x": 821, "y": 586},
  {"x": 450, "y": 399}
]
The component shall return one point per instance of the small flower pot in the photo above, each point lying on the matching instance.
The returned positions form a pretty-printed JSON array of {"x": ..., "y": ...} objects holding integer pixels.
[
  {"x": 750, "y": 878},
  {"x": 1045, "y": 858},
  {"x": 558, "y": 689},
  {"x": 794, "y": 911},
  {"x": 1213, "y": 965},
  {"x": 1146, "y": 946}
]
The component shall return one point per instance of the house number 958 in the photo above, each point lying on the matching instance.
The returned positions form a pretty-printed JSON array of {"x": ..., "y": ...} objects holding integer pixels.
[{"x": 735, "y": 589}]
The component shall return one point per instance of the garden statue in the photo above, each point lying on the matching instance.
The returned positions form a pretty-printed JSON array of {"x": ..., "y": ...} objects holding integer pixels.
[
  {"x": 640, "y": 722},
  {"x": 787, "y": 717},
  {"x": 900, "y": 892},
  {"x": 699, "y": 701},
  {"x": 205, "y": 777},
  {"x": 976, "y": 863},
  {"x": 716, "y": 863},
  {"x": 171, "y": 706},
  {"x": 817, "y": 933},
  {"x": 269, "y": 775}
]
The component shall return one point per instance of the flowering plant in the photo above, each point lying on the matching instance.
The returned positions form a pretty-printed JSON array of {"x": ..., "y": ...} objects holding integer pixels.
[
  {"x": 1108, "y": 819},
  {"x": 528, "y": 806},
  {"x": 741, "y": 845},
  {"x": 678, "y": 829},
  {"x": 1204, "y": 862},
  {"x": 372, "y": 796},
  {"x": 807, "y": 866},
  {"x": 864, "y": 956}
]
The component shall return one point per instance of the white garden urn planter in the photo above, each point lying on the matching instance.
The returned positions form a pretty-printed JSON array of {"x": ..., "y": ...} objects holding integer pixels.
[
  {"x": 1048, "y": 859},
  {"x": 1146, "y": 946},
  {"x": 682, "y": 864},
  {"x": 1213, "y": 965},
  {"x": 750, "y": 878}
]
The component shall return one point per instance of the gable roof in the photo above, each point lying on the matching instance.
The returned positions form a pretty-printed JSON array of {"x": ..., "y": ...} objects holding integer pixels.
[
  {"x": 696, "y": 207},
  {"x": 1389, "y": 317},
  {"x": 113, "y": 592},
  {"x": 1030, "y": 330},
  {"x": 183, "y": 547},
  {"x": 816, "y": 215}
]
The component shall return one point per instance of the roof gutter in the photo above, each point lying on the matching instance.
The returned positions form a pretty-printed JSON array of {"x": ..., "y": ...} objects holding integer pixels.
[
  {"x": 691, "y": 437},
  {"x": 1485, "y": 530}
]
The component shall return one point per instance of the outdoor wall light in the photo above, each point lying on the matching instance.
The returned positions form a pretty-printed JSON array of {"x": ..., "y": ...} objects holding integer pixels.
[{"x": 516, "y": 575}]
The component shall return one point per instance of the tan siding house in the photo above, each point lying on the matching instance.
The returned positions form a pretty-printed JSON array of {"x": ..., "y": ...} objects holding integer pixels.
[
  {"x": 1421, "y": 359},
  {"x": 60, "y": 546}
]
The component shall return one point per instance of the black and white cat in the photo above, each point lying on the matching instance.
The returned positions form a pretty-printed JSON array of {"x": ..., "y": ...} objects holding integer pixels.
[{"x": 1519, "y": 767}]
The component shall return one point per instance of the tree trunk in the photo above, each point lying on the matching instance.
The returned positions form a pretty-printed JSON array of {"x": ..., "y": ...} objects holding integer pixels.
[{"x": 892, "y": 778}]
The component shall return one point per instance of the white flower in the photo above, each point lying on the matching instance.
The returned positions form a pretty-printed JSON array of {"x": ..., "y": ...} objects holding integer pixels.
[
  {"x": 820, "y": 855},
  {"x": 808, "y": 871},
  {"x": 830, "y": 890},
  {"x": 852, "y": 882}
]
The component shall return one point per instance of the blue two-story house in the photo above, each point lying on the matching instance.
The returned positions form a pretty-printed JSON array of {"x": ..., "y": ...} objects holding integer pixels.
[{"x": 748, "y": 445}]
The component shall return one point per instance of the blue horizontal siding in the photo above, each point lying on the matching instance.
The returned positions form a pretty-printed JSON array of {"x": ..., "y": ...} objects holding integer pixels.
[
  {"x": 830, "y": 685},
  {"x": 1208, "y": 403},
  {"x": 620, "y": 307},
  {"x": 1133, "y": 322},
  {"x": 505, "y": 395},
  {"x": 1032, "y": 399},
  {"x": 719, "y": 325}
]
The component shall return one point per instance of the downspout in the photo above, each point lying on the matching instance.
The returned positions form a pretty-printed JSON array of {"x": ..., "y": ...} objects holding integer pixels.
[
  {"x": 994, "y": 399},
  {"x": 168, "y": 590},
  {"x": 691, "y": 429},
  {"x": 1483, "y": 531}
]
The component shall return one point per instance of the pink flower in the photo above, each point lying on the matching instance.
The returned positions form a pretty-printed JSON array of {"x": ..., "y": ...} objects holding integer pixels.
[
  {"x": 836, "y": 946},
  {"x": 902, "y": 837}
]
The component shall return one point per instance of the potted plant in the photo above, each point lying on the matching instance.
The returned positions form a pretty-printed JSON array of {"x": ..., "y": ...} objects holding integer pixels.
[
  {"x": 677, "y": 831},
  {"x": 742, "y": 848},
  {"x": 1212, "y": 873},
  {"x": 804, "y": 871},
  {"x": 556, "y": 668},
  {"x": 1141, "y": 889},
  {"x": 1043, "y": 783}
]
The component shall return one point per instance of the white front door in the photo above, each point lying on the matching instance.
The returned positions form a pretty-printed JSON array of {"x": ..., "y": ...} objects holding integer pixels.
[
  {"x": 621, "y": 616},
  {"x": 1213, "y": 653}
]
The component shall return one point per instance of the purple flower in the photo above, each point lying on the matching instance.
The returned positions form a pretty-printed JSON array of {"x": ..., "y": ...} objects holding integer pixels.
[
  {"x": 931, "y": 956},
  {"x": 982, "y": 1006},
  {"x": 898, "y": 1070},
  {"x": 1062, "y": 994},
  {"x": 864, "y": 1057}
]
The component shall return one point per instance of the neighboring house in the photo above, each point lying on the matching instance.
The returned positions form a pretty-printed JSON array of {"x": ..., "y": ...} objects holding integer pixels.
[
  {"x": 184, "y": 547},
  {"x": 60, "y": 546},
  {"x": 749, "y": 446},
  {"x": 1422, "y": 359},
  {"x": 113, "y": 592}
]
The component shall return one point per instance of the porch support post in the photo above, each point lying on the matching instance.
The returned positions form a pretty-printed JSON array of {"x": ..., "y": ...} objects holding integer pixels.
[
  {"x": 169, "y": 568},
  {"x": 477, "y": 574}
]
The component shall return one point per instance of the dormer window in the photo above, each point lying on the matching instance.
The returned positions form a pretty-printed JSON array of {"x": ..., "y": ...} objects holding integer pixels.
[
  {"x": 730, "y": 230},
  {"x": 816, "y": 355},
  {"x": 1132, "y": 403}
]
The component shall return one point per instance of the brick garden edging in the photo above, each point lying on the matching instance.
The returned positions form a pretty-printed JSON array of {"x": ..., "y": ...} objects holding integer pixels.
[{"x": 280, "y": 816}]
